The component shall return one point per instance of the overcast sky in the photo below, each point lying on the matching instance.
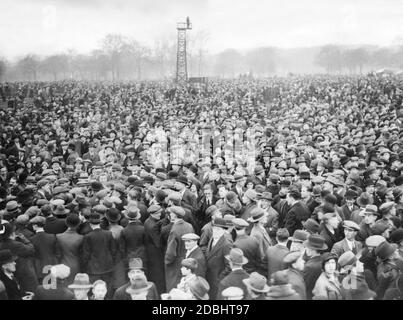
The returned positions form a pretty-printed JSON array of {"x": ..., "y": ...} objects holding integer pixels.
[{"x": 52, "y": 26}]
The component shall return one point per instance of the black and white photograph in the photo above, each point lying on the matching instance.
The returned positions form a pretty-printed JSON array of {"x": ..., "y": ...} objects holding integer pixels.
[{"x": 204, "y": 150}]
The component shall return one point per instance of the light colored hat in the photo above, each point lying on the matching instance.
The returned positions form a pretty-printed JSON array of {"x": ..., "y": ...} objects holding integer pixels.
[
  {"x": 233, "y": 292},
  {"x": 60, "y": 271},
  {"x": 257, "y": 283},
  {"x": 236, "y": 256},
  {"x": 81, "y": 281},
  {"x": 190, "y": 237},
  {"x": 374, "y": 241}
]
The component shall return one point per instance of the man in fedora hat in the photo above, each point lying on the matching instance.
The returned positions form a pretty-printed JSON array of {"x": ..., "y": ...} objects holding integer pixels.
[
  {"x": 315, "y": 200},
  {"x": 258, "y": 219},
  {"x": 81, "y": 286},
  {"x": 12, "y": 211},
  {"x": 70, "y": 246},
  {"x": 266, "y": 200},
  {"x": 211, "y": 213},
  {"x": 139, "y": 287},
  {"x": 239, "y": 187},
  {"x": 388, "y": 271},
  {"x": 296, "y": 242},
  {"x": 256, "y": 287},
  {"x": 175, "y": 247},
  {"x": 153, "y": 247},
  {"x": 370, "y": 215},
  {"x": 236, "y": 260},
  {"x": 298, "y": 211},
  {"x": 135, "y": 268},
  {"x": 280, "y": 288},
  {"x": 199, "y": 288},
  {"x": 47, "y": 252},
  {"x": 363, "y": 201},
  {"x": 195, "y": 252},
  {"x": 259, "y": 176},
  {"x": 249, "y": 245},
  {"x": 249, "y": 200},
  {"x": 188, "y": 199},
  {"x": 218, "y": 247},
  {"x": 135, "y": 273},
  {"x": 7, "y": 278},
  {"x": 132, "y": 237},
  {"x": 315, "y": 244},
  {"x": 99, "y": 251},
  {"x": 349, "y": 207}
]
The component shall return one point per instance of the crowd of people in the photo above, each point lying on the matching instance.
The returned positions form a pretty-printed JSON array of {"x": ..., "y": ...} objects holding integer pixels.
[{"x": 271, "y": 189}]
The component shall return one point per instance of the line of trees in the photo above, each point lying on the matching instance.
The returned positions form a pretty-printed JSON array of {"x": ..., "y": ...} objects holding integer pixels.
[
  {"x": 335, "y": 59},
  {"x": 122, "y": 58}
]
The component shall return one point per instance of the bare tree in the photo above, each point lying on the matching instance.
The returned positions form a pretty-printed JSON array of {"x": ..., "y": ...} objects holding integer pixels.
[
  {"x": 28, "y": 66},
  {"x": 113, "y": 45},
  {"x": 261, "y": 61},
  {"x": 198, "y": 51},
  {"x": 55, "y": 65},
  {"x": 381, "y": 58},
  {"x": 330, "y": 58},
  {"x": 228, "y": 62},
  {"x": 3, "y": 67},
  {"x": 356, "y": 58}
]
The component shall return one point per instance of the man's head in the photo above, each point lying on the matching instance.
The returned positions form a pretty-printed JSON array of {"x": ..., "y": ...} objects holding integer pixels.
[
  {"x": 190, "y": 240},
  {"x": 293, "y": 196},
  {"x": 139, "y": 286},
  {"x": 219, "y": 227},
  {"x": 7, "y": 261},
  {"x": 81, "y": 286},
  {"x": 282, "y": 235},
  {"x": 176, "y": 213},
  {"x": 189, "y": 266},
  {"x": 38, "y": 223},
  {"x": 99, "y": 289},
  {"x": 222, "y": 191},
  {"x": 266, "y": 200},
  {"x": 370, "y": 214},
  {"x": 350, "y": 229},
  {"x": 208, "y": 192},
  {"x": 295, "y": 260}
]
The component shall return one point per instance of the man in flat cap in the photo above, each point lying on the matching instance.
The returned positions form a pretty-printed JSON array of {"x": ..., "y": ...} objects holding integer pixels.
[
  {"x": 176, "y": 250},
  {"x": 294, "y": 264},
  {"x": 195, "y": 252},
  {"x": 348, "y": 243},
  {"x": 218, "y": 247}
]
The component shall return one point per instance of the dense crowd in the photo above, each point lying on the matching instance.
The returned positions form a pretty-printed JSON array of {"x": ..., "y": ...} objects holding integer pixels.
[{"x": 282, "y": 188}]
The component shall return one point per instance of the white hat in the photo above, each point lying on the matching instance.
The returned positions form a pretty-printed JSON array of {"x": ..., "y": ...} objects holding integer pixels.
[{"x": 60, "y": 271}]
